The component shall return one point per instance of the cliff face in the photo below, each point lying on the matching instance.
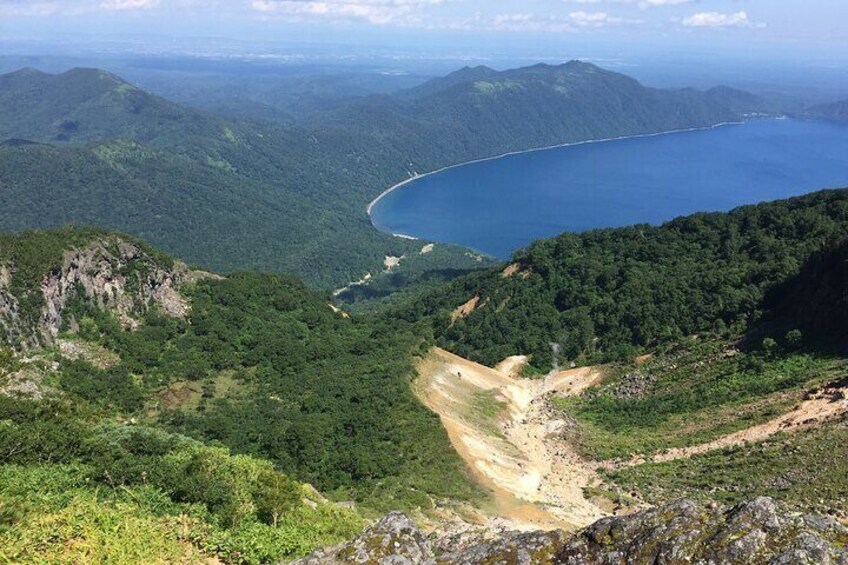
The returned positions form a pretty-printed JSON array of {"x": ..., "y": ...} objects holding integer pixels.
[
  {"x": 10, "y": 311},
  {"x": 109, "y": 272},
  {"x": 678, "y": 533}
]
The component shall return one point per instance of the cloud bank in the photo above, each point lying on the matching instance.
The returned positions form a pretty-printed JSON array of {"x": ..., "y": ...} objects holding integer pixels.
[{"x": 719, "y": 20}]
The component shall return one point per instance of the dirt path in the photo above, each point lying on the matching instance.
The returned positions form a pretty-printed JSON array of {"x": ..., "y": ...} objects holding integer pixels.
[
  {"x": 536, "y": 479},
  {"x": 827, "y": 403}
]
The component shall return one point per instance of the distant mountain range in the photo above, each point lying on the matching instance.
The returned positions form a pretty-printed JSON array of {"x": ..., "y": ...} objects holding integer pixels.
[
  {"x": 835, "y": 112},
  {"x": 230, "y": 195}
]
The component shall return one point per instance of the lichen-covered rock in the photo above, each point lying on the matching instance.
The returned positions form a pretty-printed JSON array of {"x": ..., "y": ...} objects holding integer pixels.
[
  {"x": 755, "y": 532},
  {"x": 680, "y": 533},
  {"x": 509, "y": 548},
  {"x": 394, "y": 540}
]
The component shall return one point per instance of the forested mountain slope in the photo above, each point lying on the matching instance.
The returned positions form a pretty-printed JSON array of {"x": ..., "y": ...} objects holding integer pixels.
[
  {"x": 611, "y": 293},
  {"x": 816, "y": 299},
  {"x": 156, "y": 413},
  {"x": 114, "y": 355},
  {"x": 478, "y": 112},
  {"x": 835, "y": 112},
  {"x": 90, "y": 104},
  {"x": 263, "y": 196}
]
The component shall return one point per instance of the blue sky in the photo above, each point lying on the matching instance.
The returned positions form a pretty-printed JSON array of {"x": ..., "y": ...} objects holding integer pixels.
[{"x": 722, "y": 24}]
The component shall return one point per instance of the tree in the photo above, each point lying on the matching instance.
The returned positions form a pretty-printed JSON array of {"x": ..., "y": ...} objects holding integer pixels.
[{"x": 275, "y": 494}]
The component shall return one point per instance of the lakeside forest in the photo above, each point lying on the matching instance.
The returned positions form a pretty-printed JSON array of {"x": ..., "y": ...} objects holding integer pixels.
[{"x": 227, "y": 194}]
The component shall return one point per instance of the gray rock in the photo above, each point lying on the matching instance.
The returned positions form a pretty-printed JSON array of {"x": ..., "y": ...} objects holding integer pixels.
[
  {"x": 394, "y": 540},
  {"x": 683, "y": 532}
]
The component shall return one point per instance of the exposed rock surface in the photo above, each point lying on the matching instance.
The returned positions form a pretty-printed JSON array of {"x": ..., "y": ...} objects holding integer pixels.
[
  {"x": 394, "y": 540},
  {"x": 10, "y": 311},
  {"x": 111, "y": 273},
  {"x": 678, "y": 533}
]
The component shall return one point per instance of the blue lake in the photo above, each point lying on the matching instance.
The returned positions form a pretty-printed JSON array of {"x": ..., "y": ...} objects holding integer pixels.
[{"x": 501, "y": 205}]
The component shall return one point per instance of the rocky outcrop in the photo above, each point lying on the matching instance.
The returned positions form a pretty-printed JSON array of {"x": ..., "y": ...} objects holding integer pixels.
[
  {"x": 683, "y": 532},
  {"x": 394, "y": 540},
  {"x": 679, "y": 533},
  {"x": 10, "y": 313},
  {"x": 110, "y": 272},
  {"x": 115, "y": 275}
]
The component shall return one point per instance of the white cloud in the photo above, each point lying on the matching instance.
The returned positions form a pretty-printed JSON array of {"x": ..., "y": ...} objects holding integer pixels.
[
  {"x": 598, "y": 19},
  {"x": 587, "y": 18},
  {"x": 129, "y": 4},
  {"x": 643, "y": 4},
  {"x": 9, "y": 8},
  {"x": 371, "y": 11},
  {"x": 718, "y": 20}
]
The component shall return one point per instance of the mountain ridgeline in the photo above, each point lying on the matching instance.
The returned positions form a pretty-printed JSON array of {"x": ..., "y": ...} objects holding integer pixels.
[
  {"x": 835, "y": 112},
  {"x": 275, "y": 198},
  {"x": 613, "y": 293}
]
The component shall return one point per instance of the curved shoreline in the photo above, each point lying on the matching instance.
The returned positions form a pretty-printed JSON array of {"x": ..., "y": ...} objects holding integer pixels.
[{"x": 403, "y": 183}]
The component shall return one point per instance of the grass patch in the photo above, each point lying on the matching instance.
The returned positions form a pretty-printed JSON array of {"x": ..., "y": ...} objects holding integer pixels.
[
  {"x": 485, "y": 411},
  {"x": 805, "y": 470},
  {"x": 693, "y": 395}
]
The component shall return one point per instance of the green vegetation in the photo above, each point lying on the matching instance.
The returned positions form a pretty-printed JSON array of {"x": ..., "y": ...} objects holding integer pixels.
[
  {"x": 486, "y": 410},
  {"x": 815, "y": 300},
  {"x": 74, "y": 490},
  {"x": 326, "y": 399},
  {"x": 417, "y": 273},
  {"x": 805, "y": 470},
  {"x": 193, "y": 437},
  {"x": 609, "y": 294},
  {"x": 229, "y": 195},
  {"x": 692, "y": 394}
]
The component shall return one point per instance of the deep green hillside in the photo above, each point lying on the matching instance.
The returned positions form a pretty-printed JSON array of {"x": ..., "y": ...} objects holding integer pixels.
[
  {"x": 544, "y": 104},
  {"x": 135, "y": 349},
  {"x": 292, "y": 199},
  {"x": 816, "y": 300},
  {"x": 90, "y": 104},
  {"x": 478, "y": 112},
  {"x": 608, "y": 294}
]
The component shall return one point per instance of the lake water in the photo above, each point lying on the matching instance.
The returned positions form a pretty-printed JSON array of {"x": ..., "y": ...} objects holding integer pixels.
[{"x": 501, "y": 205}]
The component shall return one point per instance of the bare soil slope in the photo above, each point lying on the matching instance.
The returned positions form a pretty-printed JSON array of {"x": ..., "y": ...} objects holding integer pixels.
[{"x": 504, "y": 429}]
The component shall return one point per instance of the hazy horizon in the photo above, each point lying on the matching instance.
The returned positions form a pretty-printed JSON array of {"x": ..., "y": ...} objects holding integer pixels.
[
  {"x": 760, "y": 45},
  {"x": 766, "y": 28}
]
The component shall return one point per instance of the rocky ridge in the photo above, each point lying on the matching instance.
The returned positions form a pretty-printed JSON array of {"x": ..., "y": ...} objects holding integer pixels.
[
  {"x": 110, "y": 272},
  {"x": 682, "y": 532}
]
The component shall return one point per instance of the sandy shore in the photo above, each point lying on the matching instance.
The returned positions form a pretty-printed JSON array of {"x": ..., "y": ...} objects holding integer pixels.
[{"x": 417, "y": 176}]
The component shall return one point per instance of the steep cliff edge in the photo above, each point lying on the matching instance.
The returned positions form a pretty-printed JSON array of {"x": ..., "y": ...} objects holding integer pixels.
[
  {"x": 42, "y": 273},
  {"x": 682, "y": 532}
]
